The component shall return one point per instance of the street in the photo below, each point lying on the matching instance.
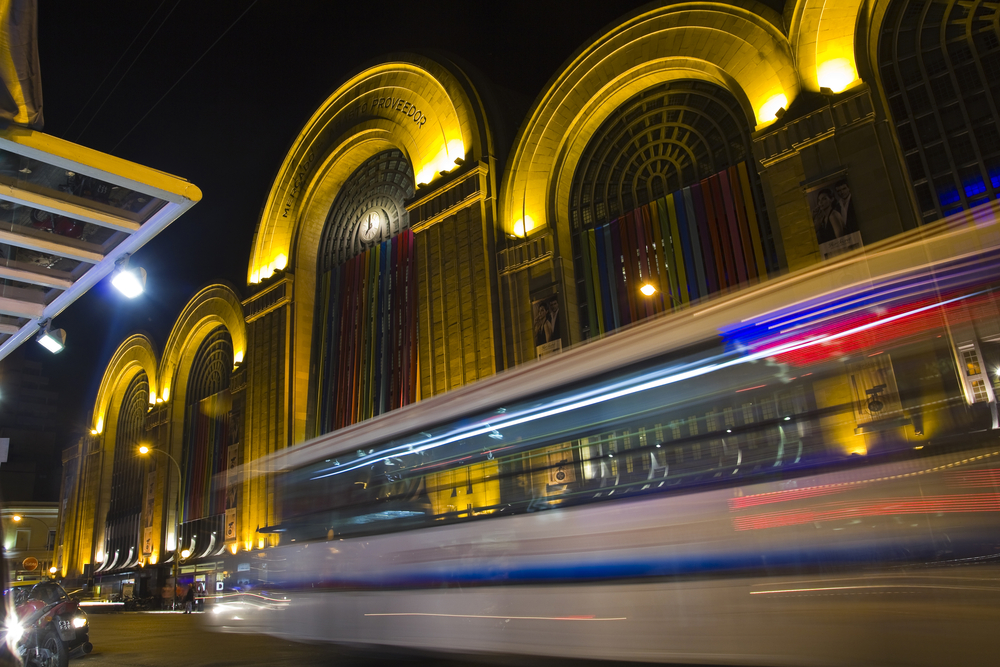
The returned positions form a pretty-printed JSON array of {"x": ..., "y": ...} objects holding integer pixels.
[{"x": 175, "y": 640}]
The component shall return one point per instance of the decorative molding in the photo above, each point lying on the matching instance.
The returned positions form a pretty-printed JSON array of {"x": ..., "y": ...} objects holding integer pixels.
[
  {"x": 811, "y": 128},
  {"x": 272, "y": 298},
  {"x": 464, "y": 190},
  {"x": 158, "y": 415},
  {"x": 531, "y": 251}
]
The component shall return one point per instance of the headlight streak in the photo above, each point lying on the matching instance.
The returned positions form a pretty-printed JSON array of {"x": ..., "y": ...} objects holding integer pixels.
[
  {"x": 14, "y": 633},
  {"x": 569, "y": 404},
  {"x": 860, "y": 299}
]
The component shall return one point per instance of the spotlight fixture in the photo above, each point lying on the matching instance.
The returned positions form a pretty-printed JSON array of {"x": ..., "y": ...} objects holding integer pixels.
[
  {"x": 130, "y": 282},
  {"x": 648, "y": 289},
  {"x": 53, "y": 340}
]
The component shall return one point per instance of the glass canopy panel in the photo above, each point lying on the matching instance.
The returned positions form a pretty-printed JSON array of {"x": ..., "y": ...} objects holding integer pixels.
[
  {"x": 13, "y": 215},
  {"x": 48, "y": 180}
]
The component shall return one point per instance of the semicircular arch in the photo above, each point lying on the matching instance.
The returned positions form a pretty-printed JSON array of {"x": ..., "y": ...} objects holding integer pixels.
[
  {"x": 213, "y": 306},
  {"x": 822, "y": 34},
  {"x": 136, "y": 354},
  {"x": 737, "y": 46},
  {"x": 425, "y": 107}
]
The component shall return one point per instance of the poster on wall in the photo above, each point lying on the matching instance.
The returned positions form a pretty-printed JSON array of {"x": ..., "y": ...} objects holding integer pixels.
[
  {"x": 546, "y": 325},
  {"x": 834, "y": 216}
]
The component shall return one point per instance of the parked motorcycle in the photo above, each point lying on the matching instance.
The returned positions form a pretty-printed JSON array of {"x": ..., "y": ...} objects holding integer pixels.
[{"x": 42, "y": 625}]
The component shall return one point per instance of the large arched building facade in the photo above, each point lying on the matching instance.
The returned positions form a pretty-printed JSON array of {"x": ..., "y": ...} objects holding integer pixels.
[{"x": 409, "y": 246}]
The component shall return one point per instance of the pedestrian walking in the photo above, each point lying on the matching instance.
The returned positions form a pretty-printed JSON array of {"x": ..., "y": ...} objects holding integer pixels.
[{"x": 189, "y": 599}]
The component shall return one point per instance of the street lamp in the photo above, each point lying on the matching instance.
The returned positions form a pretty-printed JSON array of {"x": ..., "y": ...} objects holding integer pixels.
[
  {"x": 130, "y": 282},
  {"x": 143, "y": 449}
]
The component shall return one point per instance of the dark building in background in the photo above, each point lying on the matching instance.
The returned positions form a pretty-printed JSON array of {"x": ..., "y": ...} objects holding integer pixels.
[{"x": 30, "y": 418}]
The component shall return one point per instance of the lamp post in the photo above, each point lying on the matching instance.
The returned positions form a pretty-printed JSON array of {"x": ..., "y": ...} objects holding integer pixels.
[{"x": 177, "y": 516}]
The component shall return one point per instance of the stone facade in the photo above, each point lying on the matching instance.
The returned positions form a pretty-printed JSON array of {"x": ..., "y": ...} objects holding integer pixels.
[{"x": 489, "y": 242}]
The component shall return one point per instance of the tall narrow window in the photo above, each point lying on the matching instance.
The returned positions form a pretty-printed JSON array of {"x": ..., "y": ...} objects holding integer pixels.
[
  {"x": 122, "y": 533},
  {"x": 366, "y": 318},
  {"x": 666, "y": 193}
]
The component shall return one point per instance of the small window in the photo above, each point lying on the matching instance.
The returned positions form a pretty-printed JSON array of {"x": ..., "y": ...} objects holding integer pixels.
[
  {"x": 971, "y": 360},
  {"x": 979, "y": 391}
]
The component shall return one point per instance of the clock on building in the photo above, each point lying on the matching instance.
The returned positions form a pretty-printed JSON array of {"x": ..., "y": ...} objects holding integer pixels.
[{"x": 371, "y": 226}]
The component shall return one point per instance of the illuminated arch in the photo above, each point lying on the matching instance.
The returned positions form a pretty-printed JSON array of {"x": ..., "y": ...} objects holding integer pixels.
[
  {"x": 427, "y": 109},
  {"x": 740, "y": 47},
  {"x": 213, "y": 306},
  {"x": 134, "y": 355},
  {"x": 822, "y": 35},
  {"x": 345, "y": 131}
]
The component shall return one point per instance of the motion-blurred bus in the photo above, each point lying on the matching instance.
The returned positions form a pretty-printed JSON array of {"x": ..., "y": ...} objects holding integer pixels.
[{"x": 804, "y": 472}]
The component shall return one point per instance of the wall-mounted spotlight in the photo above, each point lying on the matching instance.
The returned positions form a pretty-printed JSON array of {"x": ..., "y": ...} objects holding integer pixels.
[
  {"x": 130, "y": 282},
  {"x": 53, "y": 340}
]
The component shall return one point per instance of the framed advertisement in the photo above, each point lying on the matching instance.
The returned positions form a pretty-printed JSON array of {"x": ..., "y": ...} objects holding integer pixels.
[
  {"x": 546, "y": 324},
  {"x": 834, "y": 215}
]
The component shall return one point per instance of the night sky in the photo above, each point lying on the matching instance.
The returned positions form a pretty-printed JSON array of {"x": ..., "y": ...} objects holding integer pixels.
[{"x": 231, "y": 114}]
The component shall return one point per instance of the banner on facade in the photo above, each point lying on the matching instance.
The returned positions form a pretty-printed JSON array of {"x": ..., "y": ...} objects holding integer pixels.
[
  {"x": 834, "y": 217},
  {"x": 150, "y": 506},
  {"x": 546, "y": 325},
  {"x": 232, "y": 478}
]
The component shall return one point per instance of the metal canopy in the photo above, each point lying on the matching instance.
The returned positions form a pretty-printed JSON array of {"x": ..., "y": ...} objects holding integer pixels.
[{"x": 68, "y": 214}]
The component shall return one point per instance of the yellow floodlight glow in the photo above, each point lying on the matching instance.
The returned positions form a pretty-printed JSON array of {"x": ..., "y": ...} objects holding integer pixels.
[
  {"x": 233, "y": 547},
  {"x": 443, "y": 161},
  {"x": 185, "y": 553},
  {"x": 17, "y": 518},
  {"x": 159, "y": 400},
  {"x": 769, "y": 110},
  {"x": 166, "y": 393},
  {"x": 260, "y": 543},
  {"x": 255, "y": 277},
  {"x": 280, "y": 262},
  {"x": 648, "y": 289},
  {"x": 456, "y": 150},
  {"x": 249, "y": 544},
  {"x": 99, "y": 557},
  {"x": 144, "y": 449},
  {"x": 836, "y": 74},
  {"x": 152, "y": 398},
  {"x": 100, "y": 426},
  {"x": 93, "y": 431},
  {"x": 238, "y": 357},
  {"x": 53, "y": 569},
  {"x": 523, "y": 226},
  {"x": 152, "y": 558}
]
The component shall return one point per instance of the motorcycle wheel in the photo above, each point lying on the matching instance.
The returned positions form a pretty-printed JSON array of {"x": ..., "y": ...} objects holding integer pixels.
[{"x": 57, "y": 649}]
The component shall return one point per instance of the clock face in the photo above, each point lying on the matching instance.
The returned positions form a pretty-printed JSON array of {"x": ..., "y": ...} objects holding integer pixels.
[{"x": 371, "y": 226}]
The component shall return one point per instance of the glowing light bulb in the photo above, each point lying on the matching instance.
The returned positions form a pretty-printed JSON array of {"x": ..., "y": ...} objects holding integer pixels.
[{"x": 648, "y": 289}]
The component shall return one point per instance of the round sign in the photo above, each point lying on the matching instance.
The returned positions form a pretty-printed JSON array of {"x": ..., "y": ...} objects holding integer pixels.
[{"x": 30, "y": 563}]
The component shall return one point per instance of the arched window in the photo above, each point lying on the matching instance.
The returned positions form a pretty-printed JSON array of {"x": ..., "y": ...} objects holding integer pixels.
[
  {"x": 666, "y": 192},
  {"x": 125, "y": 510},
  {"x": 207, "y": 428},
  {"x": 939, "y": 62},
  {"x": 366, "y": 301}
]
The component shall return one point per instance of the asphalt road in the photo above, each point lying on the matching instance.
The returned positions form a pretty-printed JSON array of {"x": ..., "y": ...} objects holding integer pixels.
[{"x": 178, "y": 640}]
